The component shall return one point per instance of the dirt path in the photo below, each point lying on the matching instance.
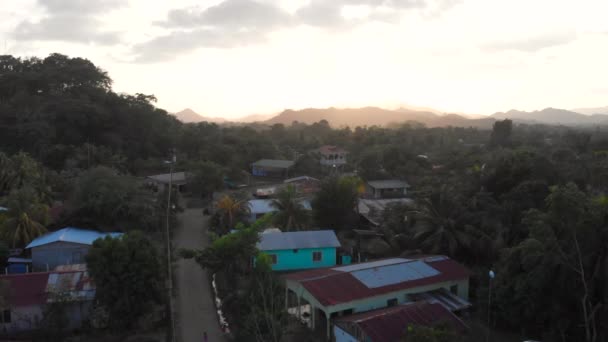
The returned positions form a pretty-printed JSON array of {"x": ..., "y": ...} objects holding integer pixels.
[{"x": 194, "y": 304}]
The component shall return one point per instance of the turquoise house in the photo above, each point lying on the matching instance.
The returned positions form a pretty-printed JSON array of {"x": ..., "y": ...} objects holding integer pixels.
[{"x": 291, "y": 251}]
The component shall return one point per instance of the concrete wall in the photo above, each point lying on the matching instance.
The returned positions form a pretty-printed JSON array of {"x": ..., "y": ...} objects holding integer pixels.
[
  {"x": 27, "y": 318},
  {"x": 342, "y": 336},
  {"x": 58, "y": 253},
  {"x": 300, "y": 259},
  {"x": 23, "y": 318}
]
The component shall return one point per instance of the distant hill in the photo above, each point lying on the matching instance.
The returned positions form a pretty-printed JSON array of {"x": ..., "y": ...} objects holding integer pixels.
[
  {"x": 553, "y": 116},
  {"x": 591, "y": 111},
  {"x": 369, "y": 116},
  {"x": 189, "y": 116},
  {"x": 254, "y": 118}
]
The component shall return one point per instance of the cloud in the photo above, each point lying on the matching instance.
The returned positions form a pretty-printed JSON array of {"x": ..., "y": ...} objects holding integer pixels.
[
  {"x": 70, "y": 21},
  {"x": 532, "y": 44},
  {"x": 230, "y": 14},
  {"x": 233, "y": 23},
  {"x": 169, "y": 46}
]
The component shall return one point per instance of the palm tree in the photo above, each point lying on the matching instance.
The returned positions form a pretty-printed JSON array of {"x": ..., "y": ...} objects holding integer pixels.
[
  {"x": 26, "y": 217},
  {"x": 230, "y": 208},
  {"x": 438, "y": 228},
  {"x": 291, "y": 213}
]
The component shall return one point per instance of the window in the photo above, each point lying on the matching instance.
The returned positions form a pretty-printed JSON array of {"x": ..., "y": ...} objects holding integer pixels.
[
  {"x": 391, "y": 302},
  {"x": 317, "y": 256},
  {"x": 454, "y": 289},
  {"x": 6, "y": 316},
  {"x": 273, "y": 259}
]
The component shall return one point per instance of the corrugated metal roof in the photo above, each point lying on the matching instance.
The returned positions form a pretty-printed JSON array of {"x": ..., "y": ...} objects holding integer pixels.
[
  {"x": 328, "y": 285},
  {"x": 264, "y": 206},
  {"x": 3, "y": 209},
  {"x": 301, "y": 178},
  {"x": 17, "y": 260},
  {"x": 298, "y": 240},
  {"x": 388, "y": 184},
  {"x": 443, "y": 297},
  {"x": 177, "y": 178},
  {"x": 70, "y": 234},
  {"x": 394, "y": 274},
  {"x": 41, "y": 287},
  {"x": 390, "y": 324},
  {"x": 371, "y": 264},
  {"x": 274, "y": 163},
  {"x": 261, "y": 206},
  {"x": 329, "y": 149}
]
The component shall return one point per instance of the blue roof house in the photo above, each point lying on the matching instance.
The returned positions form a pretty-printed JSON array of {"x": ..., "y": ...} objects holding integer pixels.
[
  {"x": 291, "y": 251},
  {"x": 66, "y": 246}
]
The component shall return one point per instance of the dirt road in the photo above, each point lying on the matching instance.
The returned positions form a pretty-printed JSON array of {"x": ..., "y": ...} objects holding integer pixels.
[{"x": 194, "y": 305}]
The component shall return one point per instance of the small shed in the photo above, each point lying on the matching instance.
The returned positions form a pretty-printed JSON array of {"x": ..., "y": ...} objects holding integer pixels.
[
  {"x": 390, "y": 188},
  {"x": 63, "y": 247},
  {"x": 304, "y": 184},
  {"x": 300, "y": 250},
  {"x": 271, "y": 168}
]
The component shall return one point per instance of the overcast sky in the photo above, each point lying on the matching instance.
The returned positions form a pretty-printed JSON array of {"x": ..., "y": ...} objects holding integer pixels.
[{"x": 237, "y": 57}]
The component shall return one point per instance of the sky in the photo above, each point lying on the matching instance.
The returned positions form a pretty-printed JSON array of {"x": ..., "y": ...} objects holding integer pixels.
[{"x": 232, "y": 58}]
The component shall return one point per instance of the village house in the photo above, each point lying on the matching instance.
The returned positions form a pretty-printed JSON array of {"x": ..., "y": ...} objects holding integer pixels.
[
  {"x": 63, "y": 247},
  {"x": 291, "y": 251},
  {"x": 332, "y": 156},
  {"x": 304, "y": 185},
  {"x": 178, "y": 181},
  {"x": 25, "y": 297},
  {"x": 329, "y": 293},
  {"x": 391, "y": 188},
  {"x": 271, "y": 168},
  {"x": 391, "y": 324}
]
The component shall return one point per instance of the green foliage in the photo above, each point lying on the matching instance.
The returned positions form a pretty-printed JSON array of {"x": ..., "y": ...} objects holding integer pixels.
[
  {"x": 334, "y": 205},
  {"x": 104, "y": 199},
  {"x": 55, "y": 322},
  {"x": 501, "y": 133},
  {"x": 440, "y": 333},
  {"x": 127, "y": 275},
  {"x": 264, "y": 317},
  {"x": 26, "y": 217},
  {"x": 207, "y": 178},
  {"x": 291, "y": 213}
]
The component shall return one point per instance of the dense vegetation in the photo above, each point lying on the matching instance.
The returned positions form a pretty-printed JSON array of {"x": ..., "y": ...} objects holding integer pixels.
[{"x": 527, "y": 201}]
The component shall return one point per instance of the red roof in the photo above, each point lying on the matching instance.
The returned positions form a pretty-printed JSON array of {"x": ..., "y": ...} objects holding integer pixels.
[
  {"x": 331, "y": 286},
  {"x": 26, "y": 289},
  {"x": 330, "y": 149},
  {"x": 390, "y": 324}
]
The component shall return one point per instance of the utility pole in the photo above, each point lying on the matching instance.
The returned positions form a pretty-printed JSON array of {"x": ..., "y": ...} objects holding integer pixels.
[
  {"x": 491, "y": 276},
  {"x": 169, "y": 272}
]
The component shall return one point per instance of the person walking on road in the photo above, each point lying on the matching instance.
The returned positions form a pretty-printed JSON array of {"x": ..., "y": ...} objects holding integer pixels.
[{"x": 205, "y": 337}]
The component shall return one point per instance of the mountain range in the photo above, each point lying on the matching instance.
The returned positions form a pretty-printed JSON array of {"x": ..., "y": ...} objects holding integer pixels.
[{"x": 368, "y": 116}]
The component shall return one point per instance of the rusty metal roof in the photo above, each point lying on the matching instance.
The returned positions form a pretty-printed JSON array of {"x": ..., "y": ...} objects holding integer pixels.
[
  {"x": 331, "y": 286},
  {"x": 391, "y": 324}
]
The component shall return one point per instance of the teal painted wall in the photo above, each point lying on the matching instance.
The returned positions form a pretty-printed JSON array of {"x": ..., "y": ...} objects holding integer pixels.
[{"x": 288, "y": 259}]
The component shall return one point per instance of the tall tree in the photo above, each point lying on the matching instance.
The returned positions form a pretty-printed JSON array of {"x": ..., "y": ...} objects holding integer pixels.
[
  {"x": 230, "y": 208},
  {"x": 501, "y": 133},
  {"x": 127, "y": 273},
  {"x": 335, "y": 204},
  {"x": 291, "y": 213},
  {"x": 102, "y": 198},
  {"x": 26, "y": 217}
]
